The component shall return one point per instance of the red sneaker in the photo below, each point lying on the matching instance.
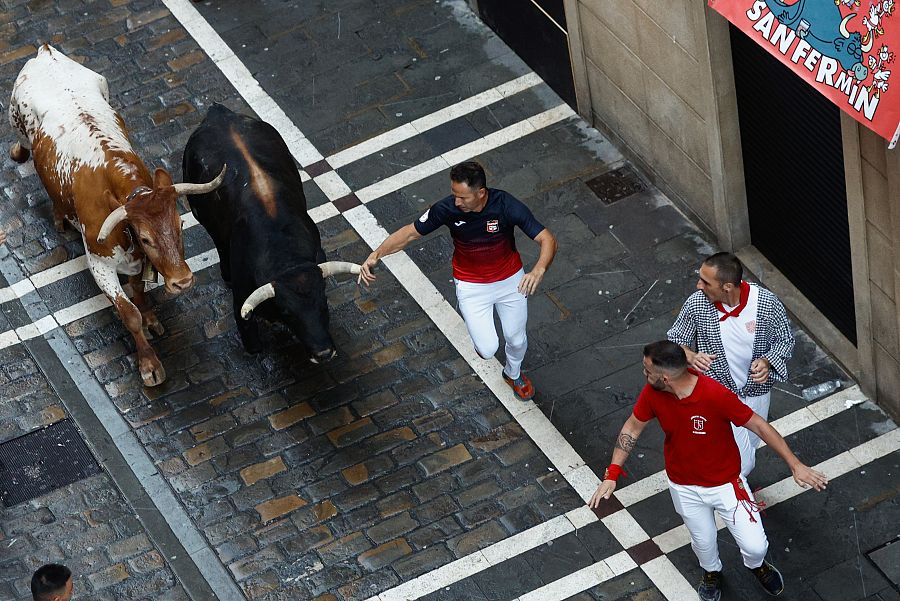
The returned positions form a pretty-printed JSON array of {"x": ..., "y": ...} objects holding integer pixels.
[{"x": 521, "y": 386}]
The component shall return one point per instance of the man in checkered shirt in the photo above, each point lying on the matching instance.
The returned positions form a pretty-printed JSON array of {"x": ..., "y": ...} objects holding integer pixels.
[{"x": 737, "y": 333}]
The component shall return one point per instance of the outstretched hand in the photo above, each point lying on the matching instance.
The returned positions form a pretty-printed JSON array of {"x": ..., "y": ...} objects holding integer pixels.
[
  {"x": 603, "y": 492},
  {"x": 807, "y": 477},
  {"x": 366, "y": 269}
]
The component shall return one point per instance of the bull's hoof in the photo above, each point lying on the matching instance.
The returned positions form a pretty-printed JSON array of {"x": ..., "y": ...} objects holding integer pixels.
[
  {"x": 19, "y": 153},
  {"x": 155, "y": 327},
  {"x": 154, "y": 376}
]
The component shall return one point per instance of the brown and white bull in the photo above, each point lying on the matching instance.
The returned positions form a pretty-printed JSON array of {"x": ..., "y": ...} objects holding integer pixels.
[{"x": 128, "y": 219}]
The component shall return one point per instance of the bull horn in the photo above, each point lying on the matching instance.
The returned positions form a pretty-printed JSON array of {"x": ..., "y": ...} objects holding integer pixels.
[
  {"x": 263, "y": 293},
  {"x": 183, "y": 188},
  {"x": 330, "y": 268},
  {"x": 112, "y": 220},
  {"x": 867, "y": 46},
  {"x": 843, "y": 26}
]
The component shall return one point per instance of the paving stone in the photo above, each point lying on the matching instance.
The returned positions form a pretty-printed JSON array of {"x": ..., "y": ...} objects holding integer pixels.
[
  {"x": 236, "y": 548},
  {"x": 347, "y": 546},
  {"x": 278, "y": 507},
  {"x": 423, "y": 561},
  {"x": 396, "y": 503},
  {"x": 128, "y": 547},
  {"x": 391, "y": 528},
  {"x": 205, "y": 451},
  {"x": 385, "y": 554},
  {"x": 254, "y": 473},
  {"x": 254, "y": 564},
  {"x": 108, "y": 576},
  {"x": 446, "y": 459},
  {"x": 352, "y": 433},
  {"x": 308, "y": 540}
]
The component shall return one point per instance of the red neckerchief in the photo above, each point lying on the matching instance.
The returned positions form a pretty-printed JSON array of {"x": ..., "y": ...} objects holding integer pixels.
[{"x": 745, "y": 296}]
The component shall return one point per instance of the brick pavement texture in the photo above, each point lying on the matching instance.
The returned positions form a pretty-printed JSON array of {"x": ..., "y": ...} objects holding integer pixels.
[
  {"x": 87, "y": 525},
  {"x": 341, "y": 480}
]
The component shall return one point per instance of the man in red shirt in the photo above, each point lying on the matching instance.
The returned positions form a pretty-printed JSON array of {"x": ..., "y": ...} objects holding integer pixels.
[
  {"x": 703, "y": 464},
  {"x": 487, "y": 268}
]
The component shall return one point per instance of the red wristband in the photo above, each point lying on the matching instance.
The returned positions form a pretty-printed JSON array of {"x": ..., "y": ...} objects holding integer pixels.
[{"x": 613, "y": 472}]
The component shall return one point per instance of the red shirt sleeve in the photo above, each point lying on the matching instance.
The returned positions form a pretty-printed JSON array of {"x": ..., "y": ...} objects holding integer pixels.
[
  {"x": 643, "y": 410},
  {"x": 735, "y": 410}
]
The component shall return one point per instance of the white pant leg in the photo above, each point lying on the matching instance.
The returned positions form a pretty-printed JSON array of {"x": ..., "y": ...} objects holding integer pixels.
[
  {"x": 476, "y": 305},
  {"x": 699, "y": 517},
  {"x": 746, "y": 440},
  {"x": 512, "y": 308},
  {"x": 749, "y": 535}
]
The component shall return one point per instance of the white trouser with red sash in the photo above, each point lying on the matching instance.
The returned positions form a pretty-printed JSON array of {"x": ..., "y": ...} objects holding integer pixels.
[
  {"x": 476, "y": 304},
  {"x": 746, "y": 440},
  {"x": 698, "y": 505}
]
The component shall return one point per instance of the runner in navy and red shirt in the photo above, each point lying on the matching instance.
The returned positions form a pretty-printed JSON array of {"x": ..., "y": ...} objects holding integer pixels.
[
  {"x": 487, "y": 268},
  {"x": 702, "y": 462}
]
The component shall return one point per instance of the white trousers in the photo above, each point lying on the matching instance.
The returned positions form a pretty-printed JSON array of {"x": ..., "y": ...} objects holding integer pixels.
[
  {"x": 477, "y": 303},
  {"x": 697, "y": 506},
  {"x": 746, "y": 440}
]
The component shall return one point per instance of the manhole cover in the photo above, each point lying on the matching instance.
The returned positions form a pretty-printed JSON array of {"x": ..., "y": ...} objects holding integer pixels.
[
  {"x": 41, "y": 461},
  {"x": 616, "y": 184}
]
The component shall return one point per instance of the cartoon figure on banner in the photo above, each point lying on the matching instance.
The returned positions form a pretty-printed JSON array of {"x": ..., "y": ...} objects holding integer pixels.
[
  {"x": 822, "y": 27},
  {"x": 850, "y": 3},
  {"x": 874, "y": 22},
  {"x": 880, "y": 75}
]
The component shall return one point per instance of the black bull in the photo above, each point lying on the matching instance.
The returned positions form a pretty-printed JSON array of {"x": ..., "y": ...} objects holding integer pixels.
[{"x": 269, "y": 248}]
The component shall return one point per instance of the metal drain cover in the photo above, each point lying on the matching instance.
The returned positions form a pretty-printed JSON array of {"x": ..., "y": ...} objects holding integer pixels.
[
  {"x": 44, "y": 460},
  {"x": 616, "y": 184}
]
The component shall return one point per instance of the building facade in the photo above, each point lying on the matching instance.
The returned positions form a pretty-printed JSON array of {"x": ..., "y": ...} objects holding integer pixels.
[{"x": 803, "y": 194}]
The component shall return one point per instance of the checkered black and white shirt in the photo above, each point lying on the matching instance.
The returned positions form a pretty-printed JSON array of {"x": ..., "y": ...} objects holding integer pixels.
[{"x": 697, "y": 327}]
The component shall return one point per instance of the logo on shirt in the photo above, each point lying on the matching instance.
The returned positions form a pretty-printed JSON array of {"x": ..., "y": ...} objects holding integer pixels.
[
  {"x": 493, "y": 226},
  {"x": 424, "y": 216},
  {"x": 699, "y": 422},
  {"x": 459, "y": 223},
  {"x": 751, "y": 326}
]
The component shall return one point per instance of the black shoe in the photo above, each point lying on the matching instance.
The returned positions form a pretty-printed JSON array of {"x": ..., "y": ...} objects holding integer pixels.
[
  {"x": 710, "y": 588},
  {"x": 770, "y": 578}
]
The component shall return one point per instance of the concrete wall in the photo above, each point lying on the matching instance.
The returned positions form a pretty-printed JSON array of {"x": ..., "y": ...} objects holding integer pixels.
[
  {"x": 876, "y": 238},
  {"x": 643, "y": 66}
]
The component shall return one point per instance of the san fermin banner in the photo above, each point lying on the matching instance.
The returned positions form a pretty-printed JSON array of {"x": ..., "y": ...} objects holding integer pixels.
[{"x": 846, "y": 49}]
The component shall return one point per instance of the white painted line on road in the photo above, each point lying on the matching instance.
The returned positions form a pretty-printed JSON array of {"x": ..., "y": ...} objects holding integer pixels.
[
  {"x": 37, "y": 328},
  {"x": 435, "y": 119},
  {"x": 529, "y": 539},
  {"x": 582, "y": 579}
]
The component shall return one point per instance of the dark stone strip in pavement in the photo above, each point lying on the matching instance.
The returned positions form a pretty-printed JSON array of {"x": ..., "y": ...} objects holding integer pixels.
[{"x": 197, "y": 568}]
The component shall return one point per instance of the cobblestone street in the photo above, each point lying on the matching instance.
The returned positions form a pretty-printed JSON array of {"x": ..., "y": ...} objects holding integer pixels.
[{"x": 404, "y": 468}]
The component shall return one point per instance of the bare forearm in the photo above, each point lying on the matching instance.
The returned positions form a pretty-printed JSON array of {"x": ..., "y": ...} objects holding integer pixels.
[
  {"x": 396, "y": 241},
  {"x": 625, "y": 443},
  {"x": 773, "y": 439},
  {"x": 548, "y": 245}
]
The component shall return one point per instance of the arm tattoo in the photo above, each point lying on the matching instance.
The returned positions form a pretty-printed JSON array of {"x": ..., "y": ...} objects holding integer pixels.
[{"x": 626, "y": 442}]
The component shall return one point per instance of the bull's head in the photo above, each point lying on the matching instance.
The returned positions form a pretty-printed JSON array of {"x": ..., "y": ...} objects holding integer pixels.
[
  {"x": 153, "y": 215},
  {"x": 299, "y": 296}
]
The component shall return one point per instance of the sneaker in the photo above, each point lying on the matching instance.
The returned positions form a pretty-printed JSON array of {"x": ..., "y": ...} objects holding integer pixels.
[
  {"x": 521, "y": 386},
  {"x": 770, "y": 578},
  {"x": 710, "y": 588}
]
